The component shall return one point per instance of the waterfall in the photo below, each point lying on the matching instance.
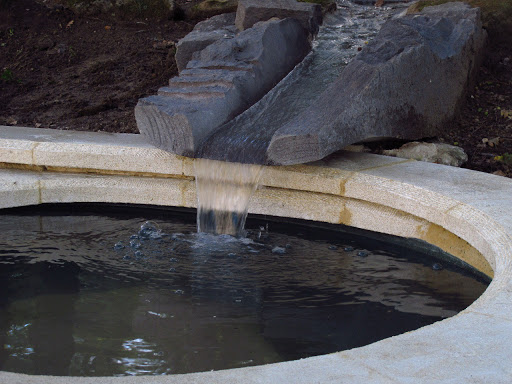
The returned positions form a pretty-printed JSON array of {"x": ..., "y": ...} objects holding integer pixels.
[
  {"x": 224, "y": 189},
  {"x": 223, "y": 193}
]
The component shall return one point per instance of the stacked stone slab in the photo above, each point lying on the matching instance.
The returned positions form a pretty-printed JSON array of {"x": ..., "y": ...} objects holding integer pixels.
[
  {"x": 407, "y": 83},
  {"x": 221, "y": 80},
  {"x": 204, "y": 33}
]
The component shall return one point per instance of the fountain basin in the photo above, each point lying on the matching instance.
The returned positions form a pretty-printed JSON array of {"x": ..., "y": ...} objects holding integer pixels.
[{"x": 466, "y": 213}]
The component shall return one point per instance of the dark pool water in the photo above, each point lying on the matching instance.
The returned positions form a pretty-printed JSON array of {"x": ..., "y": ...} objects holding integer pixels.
[{"x": 92, "y": 294}]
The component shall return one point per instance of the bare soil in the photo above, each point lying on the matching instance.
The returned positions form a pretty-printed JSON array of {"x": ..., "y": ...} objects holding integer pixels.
[{"x": 67, "y": 71}]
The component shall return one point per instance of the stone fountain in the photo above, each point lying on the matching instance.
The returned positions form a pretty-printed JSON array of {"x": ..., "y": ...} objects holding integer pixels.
[{"x": 463, "y": 212}]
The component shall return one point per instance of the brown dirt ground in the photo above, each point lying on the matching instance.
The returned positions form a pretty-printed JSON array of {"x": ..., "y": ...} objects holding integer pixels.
[{"x": 67, "y": 71}]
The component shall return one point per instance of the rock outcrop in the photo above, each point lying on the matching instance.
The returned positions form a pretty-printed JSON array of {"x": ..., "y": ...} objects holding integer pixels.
[
  {"x": 250, "y": 12},
  {"x": 219, "y": 83},
  {"x": 407, "y": 83}
]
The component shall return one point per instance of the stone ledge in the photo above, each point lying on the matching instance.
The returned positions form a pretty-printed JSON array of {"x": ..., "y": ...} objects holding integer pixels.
[{"x": 466, "y": 210}]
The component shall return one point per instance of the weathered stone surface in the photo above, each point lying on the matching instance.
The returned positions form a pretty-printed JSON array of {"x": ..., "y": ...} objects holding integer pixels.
[
  {"x": 204, "y": 33},
  {"x": 439, "y": 153},
  {"x": 220, "y": 82},
  {"x": 249, "y": 12},
  {"x": 408, "y": 82}
]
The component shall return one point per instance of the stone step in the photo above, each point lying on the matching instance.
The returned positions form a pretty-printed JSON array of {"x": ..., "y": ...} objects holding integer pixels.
[
  {"x": 194, "y": 92},
  {"x": 202, "y": 75},
  {"x": 222, "y": 81},
  {"x": 199, "y": 82},
  {"x": 222, "y": 65}
]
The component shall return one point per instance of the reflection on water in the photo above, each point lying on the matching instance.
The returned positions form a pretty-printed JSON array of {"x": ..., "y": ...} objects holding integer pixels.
[{"x": 102, "y": 295}]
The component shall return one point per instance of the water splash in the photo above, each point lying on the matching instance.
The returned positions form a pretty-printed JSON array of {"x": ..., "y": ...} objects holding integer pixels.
[{"x": 223, "y": 193}]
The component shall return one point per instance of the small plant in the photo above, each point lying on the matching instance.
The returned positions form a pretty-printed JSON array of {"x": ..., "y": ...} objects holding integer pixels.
[
  {"x": 6, "y": 75},
  {"x": 71, "y": 53},
  {"x": 10, "y": 32},
  {"x": 505, "y": 158}
]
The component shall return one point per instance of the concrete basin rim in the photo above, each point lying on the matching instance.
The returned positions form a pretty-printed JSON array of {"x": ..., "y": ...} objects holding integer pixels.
[{"x": 486, "y": 229}]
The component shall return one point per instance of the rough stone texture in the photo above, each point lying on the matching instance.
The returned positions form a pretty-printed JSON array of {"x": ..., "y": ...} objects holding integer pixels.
[
  {"x": 220, "y": 82},
  {"x": 408, "y": 82},
  {"x": 431, "y": 152},
  {"x": 204, "y": 33},
  {"x": 249, "y": 12}
]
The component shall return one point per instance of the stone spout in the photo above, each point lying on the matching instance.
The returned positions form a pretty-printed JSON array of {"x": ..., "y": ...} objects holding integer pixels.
[
  {"x": 224, "y": 71},
  {"x": 407, "y": 83}
]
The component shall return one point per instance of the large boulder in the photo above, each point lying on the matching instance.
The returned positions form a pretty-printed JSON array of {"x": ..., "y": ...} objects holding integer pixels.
[
  {"x": 204, "y": 33},
  {"x": 219, "y": 83},
  {"x": 407, "y": 83},
  {"x": 250, "y": 12}
]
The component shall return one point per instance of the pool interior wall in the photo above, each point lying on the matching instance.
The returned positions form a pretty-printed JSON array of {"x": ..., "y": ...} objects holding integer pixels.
[
  {"x": 465, "y": 213},
  {"x": 254, "y": 220}
]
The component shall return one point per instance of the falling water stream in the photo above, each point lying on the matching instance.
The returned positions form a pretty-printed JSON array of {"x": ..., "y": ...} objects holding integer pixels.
[
  {"x": 224, "y": 189},
  {"x": 223, "y": 193}
]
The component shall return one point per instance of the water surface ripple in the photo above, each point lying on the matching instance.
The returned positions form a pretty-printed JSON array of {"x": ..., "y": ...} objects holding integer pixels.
[{"x": 96, "y": 295}]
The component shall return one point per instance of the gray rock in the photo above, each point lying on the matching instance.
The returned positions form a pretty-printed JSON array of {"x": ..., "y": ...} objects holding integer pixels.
[
  {"x": 372, "y": 2},
  {"x": 220, "y": 82},
  {"x": 407, "y": 83},
  {"x": 249, "y": 12},
  {"x": 204, "y": 33},
  {"x": 439, "y": 153}
]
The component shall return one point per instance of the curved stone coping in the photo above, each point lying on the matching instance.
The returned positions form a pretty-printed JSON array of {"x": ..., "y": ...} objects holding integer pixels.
[{"x": 465, "y": 212}]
